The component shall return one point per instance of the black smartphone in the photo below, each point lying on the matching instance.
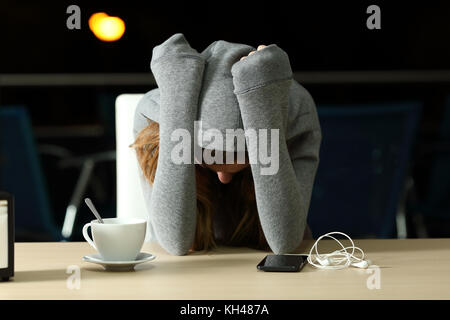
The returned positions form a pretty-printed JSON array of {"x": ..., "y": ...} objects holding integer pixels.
[{"x": 282, "y": 263}]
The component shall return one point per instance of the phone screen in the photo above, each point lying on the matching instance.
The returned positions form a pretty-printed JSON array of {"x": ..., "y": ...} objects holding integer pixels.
[{"x": 282, "y": 263}]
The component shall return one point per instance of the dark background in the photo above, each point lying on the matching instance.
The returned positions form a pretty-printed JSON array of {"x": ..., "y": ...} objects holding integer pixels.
[{"x": 317, "y": 35}]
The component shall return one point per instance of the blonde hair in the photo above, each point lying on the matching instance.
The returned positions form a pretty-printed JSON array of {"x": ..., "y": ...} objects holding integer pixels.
[{"x": 244, "y": 227}]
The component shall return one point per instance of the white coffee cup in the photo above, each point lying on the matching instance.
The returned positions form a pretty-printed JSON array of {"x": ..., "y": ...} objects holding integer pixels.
[{"x": 117, "y": 239}]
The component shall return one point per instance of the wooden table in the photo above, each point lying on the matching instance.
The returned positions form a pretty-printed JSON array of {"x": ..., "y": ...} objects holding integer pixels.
[{"x": 408, "y": 269}]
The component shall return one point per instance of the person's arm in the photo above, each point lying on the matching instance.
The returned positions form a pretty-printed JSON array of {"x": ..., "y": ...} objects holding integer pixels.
[
  {"x": 178, "y": 70},
  {"x": 262, "y": 84},
  {"x": 304, "y": 148}
]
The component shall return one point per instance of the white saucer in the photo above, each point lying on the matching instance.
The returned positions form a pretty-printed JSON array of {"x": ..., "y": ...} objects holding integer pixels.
[{"x": 119, "y": 265}]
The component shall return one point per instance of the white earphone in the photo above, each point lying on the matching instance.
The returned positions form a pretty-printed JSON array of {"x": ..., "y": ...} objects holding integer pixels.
[{"x": 338, "y": 259}]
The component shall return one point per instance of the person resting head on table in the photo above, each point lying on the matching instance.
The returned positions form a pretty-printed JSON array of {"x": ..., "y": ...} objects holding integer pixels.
[{"x": 204, "y": 201}]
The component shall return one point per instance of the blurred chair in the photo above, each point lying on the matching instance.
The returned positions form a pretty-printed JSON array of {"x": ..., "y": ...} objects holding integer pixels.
[
  {"x": 434, "y": 208},
  {"x": 21, "y": 175},
  {"x": 130, "y": 200},
  {"x": 87, "y": 163},
  {"x": 438, "y": 196},
  {"x": 364, "y": 160}
]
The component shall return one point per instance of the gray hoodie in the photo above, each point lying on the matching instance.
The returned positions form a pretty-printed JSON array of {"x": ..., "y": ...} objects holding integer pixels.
[{"x": 225, "y": 93}]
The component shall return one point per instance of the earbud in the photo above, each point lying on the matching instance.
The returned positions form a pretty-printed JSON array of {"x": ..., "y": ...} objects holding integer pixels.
[
  {"x": 324, "y": 261},
  {"x": 338, "y": 259},
  {"x": 364, "y": 264}
]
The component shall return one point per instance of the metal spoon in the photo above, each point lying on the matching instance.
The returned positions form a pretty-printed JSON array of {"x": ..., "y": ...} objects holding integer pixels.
[{"x": 94, "y": 211}]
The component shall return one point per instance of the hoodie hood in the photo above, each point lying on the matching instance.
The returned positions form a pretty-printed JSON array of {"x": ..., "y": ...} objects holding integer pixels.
[{"x": 218, "y": 105}]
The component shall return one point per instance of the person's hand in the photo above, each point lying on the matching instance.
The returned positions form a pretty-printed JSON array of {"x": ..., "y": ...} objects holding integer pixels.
[
  {"x": 265, "y": 65},
  {"x": 175, "y": 46},
  {"x": 260, "y": 47},
  {"x": 175, "y": 62}
]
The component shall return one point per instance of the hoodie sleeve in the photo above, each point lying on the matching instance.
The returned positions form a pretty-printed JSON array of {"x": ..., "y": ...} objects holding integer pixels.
[
  {"x": 262, "y": 84},
  {"x": 178, "y": 70}
]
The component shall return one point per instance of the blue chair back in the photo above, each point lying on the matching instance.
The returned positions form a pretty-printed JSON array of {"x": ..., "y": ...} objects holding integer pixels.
[
  {"x": 21, "y": 175},
  {"x": 363, "y": 161},
  {"x": 437, "y": 199}
]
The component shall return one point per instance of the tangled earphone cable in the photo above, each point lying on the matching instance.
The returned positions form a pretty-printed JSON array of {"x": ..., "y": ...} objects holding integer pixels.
[{"x": 338, "y": 259}]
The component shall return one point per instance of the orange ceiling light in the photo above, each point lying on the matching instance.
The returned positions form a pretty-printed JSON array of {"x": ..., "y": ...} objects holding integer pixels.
[{"x": 106, "y": 28}]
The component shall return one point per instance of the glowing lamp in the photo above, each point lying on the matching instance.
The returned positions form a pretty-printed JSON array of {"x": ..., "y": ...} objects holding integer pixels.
[{"x": 106, "y": 28}]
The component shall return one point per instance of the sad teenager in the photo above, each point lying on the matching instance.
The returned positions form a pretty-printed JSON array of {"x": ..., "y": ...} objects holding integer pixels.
[{"x": 259, "y": 195}]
